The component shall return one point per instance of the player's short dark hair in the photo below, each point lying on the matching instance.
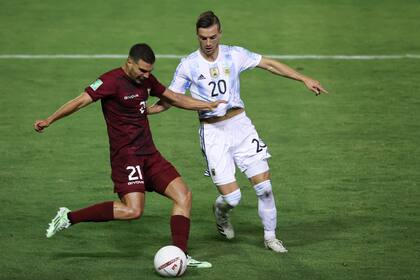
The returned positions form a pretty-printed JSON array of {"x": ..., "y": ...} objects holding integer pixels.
[
  {"x": 207, "y": 19},
  {"x": 142, "y": 51}
]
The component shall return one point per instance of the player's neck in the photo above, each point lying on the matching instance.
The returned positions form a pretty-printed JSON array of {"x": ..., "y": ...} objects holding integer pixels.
[
  {"x": 125, "y": 69},
  {"x": 211, "y": 57}
]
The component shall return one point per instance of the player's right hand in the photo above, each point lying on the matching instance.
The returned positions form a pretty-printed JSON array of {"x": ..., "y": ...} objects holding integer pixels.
[
  {"x": 215, "y": 104},
  {"x": 39, "y": 125}
]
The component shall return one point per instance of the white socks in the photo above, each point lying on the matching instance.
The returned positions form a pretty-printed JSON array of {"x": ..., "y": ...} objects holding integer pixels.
[
  {"x": 267, "y": 209},
  {"x": 226, "y": 202},
  {"x": 266, "y": 206}
]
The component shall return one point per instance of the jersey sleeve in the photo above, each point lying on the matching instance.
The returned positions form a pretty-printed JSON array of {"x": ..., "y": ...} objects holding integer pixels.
[
  {"x": 103, "y": 87},
  {"x": 156, "y": 88},
  {"x": 246, "y": 58},
  {"x": 181, "y": 81}
]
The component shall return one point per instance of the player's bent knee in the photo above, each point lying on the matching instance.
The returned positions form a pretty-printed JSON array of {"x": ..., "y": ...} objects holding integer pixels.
[
  {"x": 259, "y": 178},
  {"x": 134, "y": 213},
  {"x": 189, "y": 195},
  {"x": 187, "y": 200},
  {"x": 233, "y": 198},
  {"x": 264, "y": 188},
  {"x": 184, "y": 200}
]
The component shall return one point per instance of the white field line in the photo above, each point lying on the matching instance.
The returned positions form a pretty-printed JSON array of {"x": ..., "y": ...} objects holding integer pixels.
[{"x": 175, "y": 56}]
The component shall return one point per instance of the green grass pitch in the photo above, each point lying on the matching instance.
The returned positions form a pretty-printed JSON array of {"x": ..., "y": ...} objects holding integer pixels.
[{"x": 345, "y": 166}]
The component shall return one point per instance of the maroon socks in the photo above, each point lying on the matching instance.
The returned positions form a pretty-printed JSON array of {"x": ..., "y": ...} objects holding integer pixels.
[
  {"x": 180, "y": 229},
  {"x": 101, "y": 212}
]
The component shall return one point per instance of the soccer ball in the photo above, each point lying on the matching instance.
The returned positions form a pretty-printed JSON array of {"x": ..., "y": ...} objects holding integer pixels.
[{"x": 170, "y": 261}]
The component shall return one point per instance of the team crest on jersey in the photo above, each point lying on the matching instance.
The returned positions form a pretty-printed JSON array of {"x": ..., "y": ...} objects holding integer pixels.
[
  {"x": 96, "y": 84},
  {"x": 214, "y": 72}
]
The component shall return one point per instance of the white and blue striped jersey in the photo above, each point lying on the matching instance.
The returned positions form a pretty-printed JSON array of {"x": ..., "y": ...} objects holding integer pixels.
[{"x": 214, "y": 80}]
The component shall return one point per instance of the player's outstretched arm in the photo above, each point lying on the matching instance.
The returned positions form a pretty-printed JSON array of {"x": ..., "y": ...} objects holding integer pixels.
[
  {"x": 281, "y": 69},
  {"x": 158, "y": 107},
  {"x": 69, "y": 108},
  {"x": 186, "y": 102}
]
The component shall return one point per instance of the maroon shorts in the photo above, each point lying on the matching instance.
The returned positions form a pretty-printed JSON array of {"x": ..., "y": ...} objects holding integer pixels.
[{"x": 135, "y": 173}]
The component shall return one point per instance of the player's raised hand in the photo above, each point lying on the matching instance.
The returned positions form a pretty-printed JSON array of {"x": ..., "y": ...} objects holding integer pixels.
[
  {"x": 314, "y": 86},
  {"x": 39, "y": 125}
]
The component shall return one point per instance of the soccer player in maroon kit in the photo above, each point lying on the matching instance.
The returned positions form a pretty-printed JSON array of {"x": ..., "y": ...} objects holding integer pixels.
[{"x": 137, "y": 166}]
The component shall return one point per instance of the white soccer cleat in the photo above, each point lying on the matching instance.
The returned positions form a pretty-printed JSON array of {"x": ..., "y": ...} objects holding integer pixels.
[
  {"x": 224, "y": 227},
  {"x": 275, "y": 245},
  {"x": 197, "y": 264},
  {"x": 59, "y": 222}
]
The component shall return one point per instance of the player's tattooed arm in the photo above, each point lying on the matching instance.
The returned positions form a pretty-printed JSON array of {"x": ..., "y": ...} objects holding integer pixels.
[
  {"x": 67, "y": 109},
  {"x": 281, "y": 69}
]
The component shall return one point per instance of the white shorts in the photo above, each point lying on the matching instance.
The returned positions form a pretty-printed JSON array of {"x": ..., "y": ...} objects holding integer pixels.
[{"x": 232, "y": 142}]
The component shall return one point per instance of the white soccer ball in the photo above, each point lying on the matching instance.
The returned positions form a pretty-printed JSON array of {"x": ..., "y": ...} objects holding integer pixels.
[{"x": 170, "y": 261}]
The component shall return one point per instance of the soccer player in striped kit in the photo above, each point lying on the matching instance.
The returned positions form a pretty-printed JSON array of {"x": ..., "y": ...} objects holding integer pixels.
[{"x": 227, "y": 136}]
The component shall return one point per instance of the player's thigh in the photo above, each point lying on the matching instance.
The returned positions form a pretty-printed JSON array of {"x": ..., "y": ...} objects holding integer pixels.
[
  {"x": 134, "y": 200},
  {"x": 159, "y": 173},
  {"x": 178, "y": 191},
  {"x": 249, "y": 148},
  {"x": 215, "y": 144}
]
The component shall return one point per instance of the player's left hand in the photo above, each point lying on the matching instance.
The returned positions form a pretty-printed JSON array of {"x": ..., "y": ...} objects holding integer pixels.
[{"x": 314, "y": 86}]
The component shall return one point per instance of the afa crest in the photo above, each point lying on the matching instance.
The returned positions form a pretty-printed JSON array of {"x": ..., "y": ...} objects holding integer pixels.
[{"x": 214, "y": 72}]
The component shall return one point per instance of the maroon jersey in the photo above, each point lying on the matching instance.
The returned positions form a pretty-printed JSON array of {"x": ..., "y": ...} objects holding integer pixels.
[{"x": 124, "y": 108}]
